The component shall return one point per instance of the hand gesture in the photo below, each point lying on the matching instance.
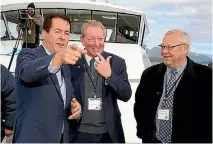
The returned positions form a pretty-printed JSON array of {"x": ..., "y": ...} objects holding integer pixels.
[
  {"x": 103, "y": 66},
  {"x": 75, "y": 110},
  {"x": 69, "y": 55}
]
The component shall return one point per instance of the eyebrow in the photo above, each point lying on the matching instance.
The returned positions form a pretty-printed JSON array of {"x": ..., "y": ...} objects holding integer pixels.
[{"x": 60, "y": 29}]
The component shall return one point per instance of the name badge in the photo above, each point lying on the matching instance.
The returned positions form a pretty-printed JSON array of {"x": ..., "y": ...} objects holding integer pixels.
[
  {"x": 94, "y": 104},
  {"x": 29, "y": 31},
  {"x": 163, "y": 114}
]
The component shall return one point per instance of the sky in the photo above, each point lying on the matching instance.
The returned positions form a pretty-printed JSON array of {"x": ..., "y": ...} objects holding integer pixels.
[{"x": 191, "y": 16}]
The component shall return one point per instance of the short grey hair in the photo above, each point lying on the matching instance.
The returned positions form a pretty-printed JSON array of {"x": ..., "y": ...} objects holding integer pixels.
[
  {"x": 92, "y": 23},
  {"x": 185, "y": 39}
]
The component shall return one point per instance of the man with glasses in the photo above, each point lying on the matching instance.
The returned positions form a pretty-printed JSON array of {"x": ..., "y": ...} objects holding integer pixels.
[
  {"x": 31, "y": 28},
  {"x": 173, "y": 102}
]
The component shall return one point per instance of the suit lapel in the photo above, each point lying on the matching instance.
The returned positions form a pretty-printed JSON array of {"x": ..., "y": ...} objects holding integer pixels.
[
  {"x": 56, "y": 84},
  {"x": 81, "y": 70},
  {"x": 65, "y": 73},
  {"x": 159, "y": 80},
  {"x": 186, "y": 83},
  {"x": 53, "y": 77},
  {"x": 105, "y": 55}
]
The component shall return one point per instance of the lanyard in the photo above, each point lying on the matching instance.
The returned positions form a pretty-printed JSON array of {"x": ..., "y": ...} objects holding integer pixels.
[
  {"x": 90, "y": 76},
  {"x": 175, "y": 83}
]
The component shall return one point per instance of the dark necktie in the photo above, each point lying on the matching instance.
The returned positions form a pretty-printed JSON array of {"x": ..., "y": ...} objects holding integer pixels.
[
  {"x": 165, "y": 126},
  {"x": 92, "y": 67}
]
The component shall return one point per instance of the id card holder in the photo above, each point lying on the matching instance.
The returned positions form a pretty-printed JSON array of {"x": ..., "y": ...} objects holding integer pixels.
[
  {"x": 94, "y": 104},
  {"x": 163, "y": 114}
]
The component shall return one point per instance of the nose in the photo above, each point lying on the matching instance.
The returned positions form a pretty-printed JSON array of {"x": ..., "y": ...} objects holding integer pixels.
[
  {"x": 62, "y": 36},
  {"x": 164, "y": 50},
  {"x": 96, "y": 42}
]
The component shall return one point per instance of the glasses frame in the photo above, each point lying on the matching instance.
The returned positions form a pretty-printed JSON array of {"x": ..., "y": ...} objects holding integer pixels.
[{"x": 168, "y": 47}]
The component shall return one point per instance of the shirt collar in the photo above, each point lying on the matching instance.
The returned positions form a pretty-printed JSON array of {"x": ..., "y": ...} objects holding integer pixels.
[
  {"x": 179, "y": 69},
  {"x": 88, "y": 58},
  {"x": 46, "y": 50}
]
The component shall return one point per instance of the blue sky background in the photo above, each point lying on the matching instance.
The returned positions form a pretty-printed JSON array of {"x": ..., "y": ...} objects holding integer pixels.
[{"x": 191, "y": 16}]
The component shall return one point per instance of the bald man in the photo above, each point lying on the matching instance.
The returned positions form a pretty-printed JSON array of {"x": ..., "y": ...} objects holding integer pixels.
[{"x": 173, "y": 102}]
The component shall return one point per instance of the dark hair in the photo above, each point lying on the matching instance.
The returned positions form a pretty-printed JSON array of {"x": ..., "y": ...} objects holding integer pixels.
[
  {"x": 31, "y": 5},
  {"x": 47, "y": 24}
]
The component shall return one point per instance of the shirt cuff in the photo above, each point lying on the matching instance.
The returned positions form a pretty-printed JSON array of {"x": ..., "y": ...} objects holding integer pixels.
[{"x": 53, "y": 69}]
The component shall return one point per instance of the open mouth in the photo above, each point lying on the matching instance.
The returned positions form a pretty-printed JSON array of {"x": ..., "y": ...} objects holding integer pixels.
[
  {"x": 166, "y": 57},
  {"x": 60, "y": 44},
  {"x": 96, "y": 49}
]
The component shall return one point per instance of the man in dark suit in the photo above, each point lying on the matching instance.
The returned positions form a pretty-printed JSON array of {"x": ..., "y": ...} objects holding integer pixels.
[
  {"x": 99, "y": 80},
  {"x": 8, "y": 102},
  {"x": 45, "y": 99},
  {"x": 173, "y": 102},
  {"x": 210, "y": 65}
]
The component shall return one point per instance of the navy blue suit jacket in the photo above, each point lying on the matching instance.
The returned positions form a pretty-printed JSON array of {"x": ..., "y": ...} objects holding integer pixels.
[
  {"x": 40, "y": 107},
  {"x": 8, "y": 100},
  {"x": 118, "y": 88}
]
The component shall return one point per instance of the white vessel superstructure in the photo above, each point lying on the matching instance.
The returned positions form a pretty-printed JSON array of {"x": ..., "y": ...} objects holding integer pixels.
[{"x": 126, "y": 31}]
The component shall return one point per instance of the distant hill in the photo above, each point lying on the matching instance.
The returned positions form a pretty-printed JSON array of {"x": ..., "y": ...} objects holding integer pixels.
[
  {"x": 154, "y": 55},
  {"x": 208, "y": 55}
]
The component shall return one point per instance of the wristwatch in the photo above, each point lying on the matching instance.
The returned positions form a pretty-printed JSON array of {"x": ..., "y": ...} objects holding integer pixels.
[{"x": 107, "y": 79}]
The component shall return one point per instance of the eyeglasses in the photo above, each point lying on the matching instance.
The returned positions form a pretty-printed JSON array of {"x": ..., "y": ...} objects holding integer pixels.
[{"x": 168, "y": 46}]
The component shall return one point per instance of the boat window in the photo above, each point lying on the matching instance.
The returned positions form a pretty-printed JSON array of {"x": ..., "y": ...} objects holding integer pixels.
[
  {"x": 127, "y": 28},
  {"x": 49, "y": 11},
  {"x": 11, "y": 20},
  {"x": 109, "y": 21},
  {"x": 4, "y": 33},
  {"x": 78, "y": 18}
]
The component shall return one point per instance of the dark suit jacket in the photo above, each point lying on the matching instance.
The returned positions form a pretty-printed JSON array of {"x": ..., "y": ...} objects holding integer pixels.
[
  {"x": 8, "y": 100},
  {"x": 210, "y": 65},
  {"x": 40, "y": 107},
  {"x": 118, "y": 88},
  {"x": 192, "y": 111}
]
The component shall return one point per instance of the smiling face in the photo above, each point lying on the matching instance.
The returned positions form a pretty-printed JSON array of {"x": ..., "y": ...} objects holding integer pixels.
[
  {"x": 93, "y": 36},
  {"x": 58, "y": 36},
  {"x": 173, "y": 52}
]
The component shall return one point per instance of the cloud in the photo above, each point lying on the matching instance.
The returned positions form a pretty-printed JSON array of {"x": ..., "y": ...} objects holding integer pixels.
[
  {"x": 151, "y": 21},
  {"x": 191, "y": 16},
  {"x": 183, "y": 11}
]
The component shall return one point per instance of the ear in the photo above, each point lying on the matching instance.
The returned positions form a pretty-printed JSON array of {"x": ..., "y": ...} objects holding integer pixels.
[
  {"x": 82, "y": 40},
  {"x": 44, "y": 34},
  {"x": 185, "y": 48}
]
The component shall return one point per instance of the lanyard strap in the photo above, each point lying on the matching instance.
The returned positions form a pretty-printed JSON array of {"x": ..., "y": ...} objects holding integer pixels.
[{"x": 90, "y": 75}]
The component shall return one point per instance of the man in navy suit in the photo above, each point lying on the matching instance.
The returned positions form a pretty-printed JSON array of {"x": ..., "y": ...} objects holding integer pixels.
[
  {"x": 8, "y": 102},
  {"x": 45, "y": 99},
  {"x": 99, "y": 79}
]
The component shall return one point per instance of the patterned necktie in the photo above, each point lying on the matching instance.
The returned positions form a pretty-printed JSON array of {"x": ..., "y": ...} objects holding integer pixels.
[
  {"x": 165, "y": 126},
  {"x": 92, "y": 67}
]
